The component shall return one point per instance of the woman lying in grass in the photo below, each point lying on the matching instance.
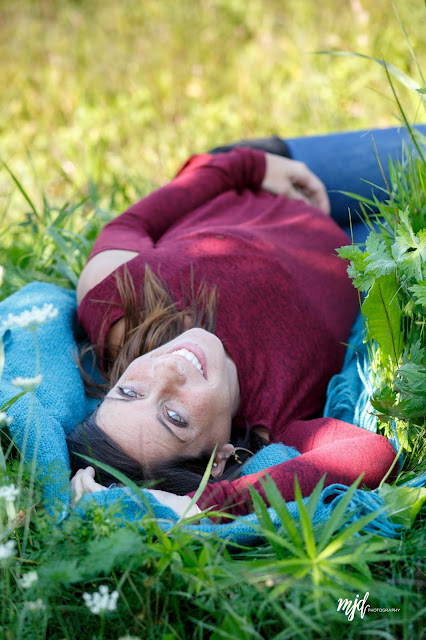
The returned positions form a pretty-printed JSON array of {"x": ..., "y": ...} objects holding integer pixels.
[{"x": 218, "y": 310}]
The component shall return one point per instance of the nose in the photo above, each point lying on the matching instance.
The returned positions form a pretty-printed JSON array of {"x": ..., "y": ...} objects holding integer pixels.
[{"x": 168, "y": 371}]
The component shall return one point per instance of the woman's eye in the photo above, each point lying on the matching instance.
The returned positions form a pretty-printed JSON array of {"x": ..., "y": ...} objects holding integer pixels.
[
  {"x": 176, "y": 418},
  {"x": 128, "y": 393}
]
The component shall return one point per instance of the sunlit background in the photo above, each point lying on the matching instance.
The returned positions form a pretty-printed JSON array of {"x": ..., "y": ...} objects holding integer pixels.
[{"x": 105, "y": 92}]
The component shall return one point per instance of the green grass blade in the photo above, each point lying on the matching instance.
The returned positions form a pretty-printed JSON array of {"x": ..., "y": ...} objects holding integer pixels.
[
  {"x": 312, "y": 503},
  {"x": 203, "y": 484},
  {"x": 283, "y": 567},
  {"x": 261, "y": 510},
  {"x": 64, "y": 270},
  {"x": 404, "y": 117},
  {"x": 22, "y": 190},
  {"x": 55, "y": 235},
  {"x": 358, "y": 582},
  {"x": 1, "y": 356},
  {"x": 63, "y": 213},
  {"x": 266, "y": 524},
  {"x": 337, "y": 518},
  {"x": 3, "y": 466},
  {"x": 407, "y": 40},
  {"x": 122, "y": 478},
  {"x": 9, "y": 403},
  {"x": 66, "y": 212},
  {"x": 278, "y": 503},
  {"x": 281, "y": 543},
  {"x": 352, "y": 529},
  {"x": 304, "y": 618},
  {"x": 349, "y": 559},
  {"x": 402, "y": 77},
  {"x": 305, "y": 521}
]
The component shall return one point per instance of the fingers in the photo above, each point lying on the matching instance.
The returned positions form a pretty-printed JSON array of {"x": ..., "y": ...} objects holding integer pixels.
[
  {"x": 293, "y": 193},
  {"x": 83, "y": 482},
  {"x": 88, "y": 483},
  {"x": 76, "y": 487},
  {"x": 179, "y": 504},
  {"x": 310, "y": 186},
  {"x": 294, "y": 180}
]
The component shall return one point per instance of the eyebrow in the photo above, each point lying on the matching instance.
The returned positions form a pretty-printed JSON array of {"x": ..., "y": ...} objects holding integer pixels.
[{"x": 159, "y": 418}]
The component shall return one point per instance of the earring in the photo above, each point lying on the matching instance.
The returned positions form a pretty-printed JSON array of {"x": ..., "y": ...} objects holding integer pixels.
[
  {"x": 237, "y": 457},
  {"x": 215, "y": 464}
]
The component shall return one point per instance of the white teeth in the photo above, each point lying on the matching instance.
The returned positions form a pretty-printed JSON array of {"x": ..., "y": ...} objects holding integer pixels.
[{"x": 191, "y": 358}]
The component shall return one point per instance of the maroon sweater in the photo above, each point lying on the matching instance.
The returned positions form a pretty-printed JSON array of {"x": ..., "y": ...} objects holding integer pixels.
[{"x": 286, "y": 307}]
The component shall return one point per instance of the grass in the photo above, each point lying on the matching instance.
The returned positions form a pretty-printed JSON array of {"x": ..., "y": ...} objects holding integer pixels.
[
  {"x": 102, "y": 101},
  {"x": 108, "y": 93}
]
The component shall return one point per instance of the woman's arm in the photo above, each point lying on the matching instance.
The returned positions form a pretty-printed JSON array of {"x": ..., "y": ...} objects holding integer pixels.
[
  {"x": 199, "y": 180},
  {"x": 327, "y": 446},
  {"x": 84, "y": 483}
]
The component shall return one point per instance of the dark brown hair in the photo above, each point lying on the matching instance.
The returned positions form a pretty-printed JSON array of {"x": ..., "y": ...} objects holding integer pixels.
[
  {"x": 181, "y": 475},
  {"x": 149, "y": 324}
]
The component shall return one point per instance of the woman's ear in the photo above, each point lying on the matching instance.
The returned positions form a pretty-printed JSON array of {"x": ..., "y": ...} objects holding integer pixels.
[{"x": 221, "y": 459}]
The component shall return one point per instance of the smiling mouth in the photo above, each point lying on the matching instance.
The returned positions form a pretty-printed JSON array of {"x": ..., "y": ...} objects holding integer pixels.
[{"x": 192, "y": 358}]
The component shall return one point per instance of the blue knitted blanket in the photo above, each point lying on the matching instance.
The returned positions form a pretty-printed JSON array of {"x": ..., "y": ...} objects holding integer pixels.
[{"x": 43, "y": 417}]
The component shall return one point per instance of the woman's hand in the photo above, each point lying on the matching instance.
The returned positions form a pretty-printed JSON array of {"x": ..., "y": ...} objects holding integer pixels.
[
  {"x": 294, "y": 180},
  {"x": 179, "y": 504},
  {"x": 83, "y": 482}
]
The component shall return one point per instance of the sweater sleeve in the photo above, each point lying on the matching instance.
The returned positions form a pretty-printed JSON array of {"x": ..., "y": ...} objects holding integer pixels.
[
  {"x": 327, "y": 446},
  {"x": 200, "y": 179}
]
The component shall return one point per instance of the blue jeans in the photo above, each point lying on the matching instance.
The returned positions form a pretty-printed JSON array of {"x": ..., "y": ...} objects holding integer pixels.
[
  {"x": 344, "y": 162},
  {"x": 348, "y": 162}
]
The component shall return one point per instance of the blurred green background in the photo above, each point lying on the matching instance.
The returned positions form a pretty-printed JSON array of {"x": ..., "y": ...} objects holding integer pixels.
[{"x": 109, "y": 92}]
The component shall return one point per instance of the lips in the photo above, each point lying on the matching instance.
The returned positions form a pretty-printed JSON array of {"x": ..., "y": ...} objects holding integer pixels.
[
  {"x": 188, "y": 355},
  {"x": 194, "y": 354}
]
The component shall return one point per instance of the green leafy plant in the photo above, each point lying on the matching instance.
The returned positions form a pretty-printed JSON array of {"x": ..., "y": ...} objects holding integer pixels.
[
  {"x": 391, "y": 270},
  {"x": 322, "y": 552}
]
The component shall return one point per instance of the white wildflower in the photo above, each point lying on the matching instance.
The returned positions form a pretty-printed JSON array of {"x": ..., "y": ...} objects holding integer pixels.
[
  {"x": 28, "y": 579},
  {"x": 7, "y": 550},
  {"x": 101, "y": 600},
  {"x": 9, "y": 493},
  {"x": 29, "y": 319},
  {"x": 5, "y": 420},
  {"x": 28, "y": 384},
  {"x": 35, "y": 605}
]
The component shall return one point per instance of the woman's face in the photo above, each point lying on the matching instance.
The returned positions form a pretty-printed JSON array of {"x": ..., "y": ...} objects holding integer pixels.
[{"x": 176, "y": 400}]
